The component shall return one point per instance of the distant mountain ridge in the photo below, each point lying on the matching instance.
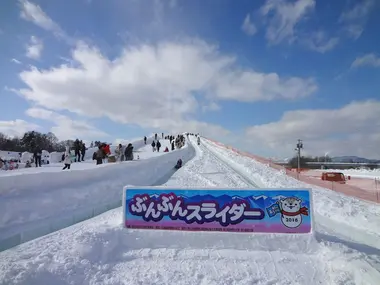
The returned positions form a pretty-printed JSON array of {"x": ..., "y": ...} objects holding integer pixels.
[{"x": 354, "y": 159}]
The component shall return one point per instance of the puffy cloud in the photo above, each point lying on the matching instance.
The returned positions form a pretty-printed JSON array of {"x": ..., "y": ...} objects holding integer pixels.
[
  {"x": 67, "y": 128},
  {"x": 367, "y": 60},
  {"x": 154, "y": 86},
  {"x": 34, "y": 48},
  {"x": 17, "y": 127},
  {"x": 351, "y": 130}
]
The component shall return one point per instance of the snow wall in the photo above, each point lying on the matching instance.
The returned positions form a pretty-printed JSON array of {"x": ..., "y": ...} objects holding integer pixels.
[{"x": 150, "y": 172}]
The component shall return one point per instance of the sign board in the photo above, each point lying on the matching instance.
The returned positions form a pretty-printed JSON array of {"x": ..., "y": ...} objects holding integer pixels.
[{"x": 218, "y": 209}]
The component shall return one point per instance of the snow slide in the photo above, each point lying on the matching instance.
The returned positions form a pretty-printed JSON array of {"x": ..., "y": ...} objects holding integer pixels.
[
  {"x": 37, "y": 204},
  {"x": 101, "y": 251}
]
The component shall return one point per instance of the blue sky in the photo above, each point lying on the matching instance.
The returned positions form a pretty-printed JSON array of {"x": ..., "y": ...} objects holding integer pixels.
[{"x": 254, "y": 74}]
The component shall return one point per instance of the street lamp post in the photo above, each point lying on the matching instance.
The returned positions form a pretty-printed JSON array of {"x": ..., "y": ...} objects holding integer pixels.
[{"x": 298, "y": 149}]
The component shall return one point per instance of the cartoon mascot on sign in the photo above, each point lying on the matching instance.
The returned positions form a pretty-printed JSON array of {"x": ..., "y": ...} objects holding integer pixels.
[{"x": 291, "y": 212}]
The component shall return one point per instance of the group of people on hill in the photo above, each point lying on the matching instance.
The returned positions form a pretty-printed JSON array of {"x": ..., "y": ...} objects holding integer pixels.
[
  {"x": 175, "y": 142},
  {"x": 124, "y": 152},
  {"x": 79, "y": 152},
  {"x": 102, "y": 153}
]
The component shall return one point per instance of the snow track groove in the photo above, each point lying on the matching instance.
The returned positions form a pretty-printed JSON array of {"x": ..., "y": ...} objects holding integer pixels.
[
  {"x": 227, "y": 164},
  {"x": 207, "y": 170}
]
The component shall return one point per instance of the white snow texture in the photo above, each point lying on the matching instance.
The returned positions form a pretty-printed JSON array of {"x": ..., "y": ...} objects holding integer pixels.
[{"x": 345, "y": 247}]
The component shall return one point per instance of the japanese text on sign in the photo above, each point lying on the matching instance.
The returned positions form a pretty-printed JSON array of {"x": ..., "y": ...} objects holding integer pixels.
[{"x": 203, "y": 212}]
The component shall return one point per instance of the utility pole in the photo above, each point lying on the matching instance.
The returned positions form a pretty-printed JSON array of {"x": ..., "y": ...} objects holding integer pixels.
[{"x": 298, "y": 149}]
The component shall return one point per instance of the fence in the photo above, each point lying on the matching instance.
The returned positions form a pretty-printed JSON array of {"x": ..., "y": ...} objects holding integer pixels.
[{"x": 372, "y": 196}]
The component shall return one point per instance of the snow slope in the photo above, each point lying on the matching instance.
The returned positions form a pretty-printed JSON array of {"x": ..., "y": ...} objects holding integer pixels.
[
  {"x": 356, "y": 220},
  {"x": 101, "y": 251},
  {"x": 147, "y": 152},
  {"x": 38, "y": 203}
]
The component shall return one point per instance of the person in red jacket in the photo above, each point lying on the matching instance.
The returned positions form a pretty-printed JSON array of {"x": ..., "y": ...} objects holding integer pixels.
[{"x": 107, "y": 149}]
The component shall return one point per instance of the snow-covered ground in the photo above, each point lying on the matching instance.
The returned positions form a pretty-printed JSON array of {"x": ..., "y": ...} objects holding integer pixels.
[
  {"x": 359, "y": 173},
  {"x": 101, "y": 251},
  {"x": 54, "y": 167},
  {"x": 39, "y": 202},
  {"x": 147, "y": 151}
]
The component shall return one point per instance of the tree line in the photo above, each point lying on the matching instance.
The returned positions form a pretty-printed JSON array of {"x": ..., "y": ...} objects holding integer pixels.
[
  {"x": 293, "y": 162},
  {"x": 30, "y": 140}
]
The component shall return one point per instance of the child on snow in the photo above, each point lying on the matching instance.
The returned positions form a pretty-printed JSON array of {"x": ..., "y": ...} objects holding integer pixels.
[{"x": 67, "y": 160}]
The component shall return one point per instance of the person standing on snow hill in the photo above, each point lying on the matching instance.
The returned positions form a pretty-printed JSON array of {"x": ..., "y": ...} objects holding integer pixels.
[
  {"x": 119, "y": 151},
  {"x": 100, "y": 155},
  {"x": 155, "y": 136},
  {"x": 144, "y": 139},
  {"x": 158, "y": 144},
  {"x": 67, "y": 160},
  {"x": 83, "y": 150},
  {"x": 77, "y": 150},
  {"x": 37, "y": 155},
  {"x": 153, "y": 146},
  {"x": 129, "y": 152}
]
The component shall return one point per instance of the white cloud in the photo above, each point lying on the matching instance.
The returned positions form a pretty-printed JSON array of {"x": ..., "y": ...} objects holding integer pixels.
[
  {"x": 355, "y": 18},
  {"x": 152, "y": 86},
  {"x": 33, "y": 13},
  {"x": 67, "y": 128},
  {"x": 351, "y": 130},
  {"x": 17, "y": 127},
  {"x": 283, "y": 17},
  {"x": 367, "y": 60},
  {"x": 35, "y": 47},
  {"x": 212, "y": 106},
  {"x": 248, "y": 27},
  {"x": 16, "y": 61},
  {"x": 318, "y": 41}
]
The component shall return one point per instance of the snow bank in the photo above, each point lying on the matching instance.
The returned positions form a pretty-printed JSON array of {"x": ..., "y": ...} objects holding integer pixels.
[
  {"x": 7, "y": 155},
  {"x": 26, "y": 156},
  {"x": 352, "y": 218},
  {"x": 36, "y": 204}
]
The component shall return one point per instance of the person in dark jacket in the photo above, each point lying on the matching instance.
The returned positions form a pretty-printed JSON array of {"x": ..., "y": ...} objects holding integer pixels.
[
  {"x": 100, "y": 155},
  {"x": 153, "y": 146},
  {"x": 155, "y": 136},
  {"x": 158, "y": 145},
  {"x": 173, "y": 148},
  {"x": 77, "y": 150},
  {"x": 37, "y": 155},
  {"x": 144, "y": 139},
  {"x": 83, "y": 150},
  {"x": 129, "y": 152},
  {"x": 179, "y": 164}
]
